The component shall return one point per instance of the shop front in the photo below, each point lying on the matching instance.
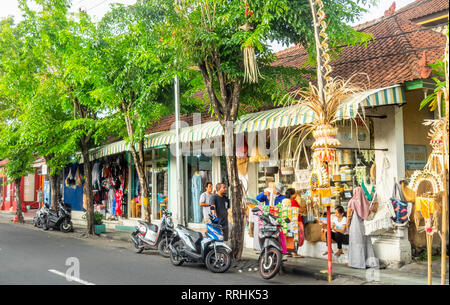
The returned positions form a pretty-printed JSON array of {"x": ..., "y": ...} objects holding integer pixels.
[{"x": 30, "y": 190}]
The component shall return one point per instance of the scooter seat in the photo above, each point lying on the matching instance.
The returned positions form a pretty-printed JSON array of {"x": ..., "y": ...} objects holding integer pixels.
[
  {"x": 149, "y": 225},
  {"x": 196, "y": 236}
]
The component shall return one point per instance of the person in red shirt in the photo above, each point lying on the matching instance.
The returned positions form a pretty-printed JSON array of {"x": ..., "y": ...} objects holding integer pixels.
[{"x": 291, "y": 195}]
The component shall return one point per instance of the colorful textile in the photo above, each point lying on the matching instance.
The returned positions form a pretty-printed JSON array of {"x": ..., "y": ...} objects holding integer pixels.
[
  {"x": 425, "y": 206},
  {"x": 359, "y": 203}
]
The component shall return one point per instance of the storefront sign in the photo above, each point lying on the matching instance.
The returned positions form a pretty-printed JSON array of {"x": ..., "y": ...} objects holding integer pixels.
[{"x": 415, "y": 157}]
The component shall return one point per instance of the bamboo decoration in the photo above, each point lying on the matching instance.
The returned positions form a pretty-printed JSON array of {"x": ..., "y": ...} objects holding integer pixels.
[
  {"x": 251, "y": 71},
  {"x": 445, "y": 134}
]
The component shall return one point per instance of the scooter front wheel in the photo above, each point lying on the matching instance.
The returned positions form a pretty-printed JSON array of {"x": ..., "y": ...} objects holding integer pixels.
[
  {"x": 45, "y": 225},
  {"x": 175, "y": 258},
  {"x": 218, "y": 261},
  {"x": 163, "y": 248},
  {"x": 270, "y": 263},
  {"x": 66, "y": 226}
]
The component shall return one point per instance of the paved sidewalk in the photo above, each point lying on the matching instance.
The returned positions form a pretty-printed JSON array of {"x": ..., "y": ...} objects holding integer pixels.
[{"x": 411, "y": 274}]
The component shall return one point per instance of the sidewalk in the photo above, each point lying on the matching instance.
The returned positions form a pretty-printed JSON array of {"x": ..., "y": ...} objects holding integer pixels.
[{"x": 411, "y": 274}]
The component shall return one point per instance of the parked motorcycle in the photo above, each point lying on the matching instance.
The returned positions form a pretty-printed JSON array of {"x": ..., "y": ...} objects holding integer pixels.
[
  {"x": 149, "y": 237},
  {"x": 60, "y": 219},
  {"x": 190, "y": 246},
  {"x": 270, "y": 234},
  {"x": 39, "y": 216}
]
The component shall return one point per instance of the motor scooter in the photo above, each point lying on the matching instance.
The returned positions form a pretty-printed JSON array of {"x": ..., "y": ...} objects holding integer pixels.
[
  {"x": 149, "y": 237},
  {"x": 38, "y": 217},
  {"x": 273, "y": 247},
  {"x": 190, "y": 246},
  {"x": 60, "y": 219}
]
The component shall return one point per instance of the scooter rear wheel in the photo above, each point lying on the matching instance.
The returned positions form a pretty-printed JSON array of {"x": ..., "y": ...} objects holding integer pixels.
[
  {"x": 270, "y": 264},
  {"x": 176, "y": 259},
  {"x": 136, "y": 247},
  {"x": 163, "y": 248}
]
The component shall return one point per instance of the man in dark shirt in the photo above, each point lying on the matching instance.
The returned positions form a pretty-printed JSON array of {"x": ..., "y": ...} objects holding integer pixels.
[{"x": 221, "y": 204}]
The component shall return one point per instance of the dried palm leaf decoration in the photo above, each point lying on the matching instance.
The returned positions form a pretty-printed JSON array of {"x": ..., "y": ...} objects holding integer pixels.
[
  {"x": 251, "y": 71},
  {"x": 324, "y": 100}
]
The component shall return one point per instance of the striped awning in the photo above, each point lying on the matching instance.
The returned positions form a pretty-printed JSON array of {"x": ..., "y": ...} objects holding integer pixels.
[
  {"x": 264, "y": 120},
  {"x": 377, "y": 97},
  {"x": 108, "y": 149}
]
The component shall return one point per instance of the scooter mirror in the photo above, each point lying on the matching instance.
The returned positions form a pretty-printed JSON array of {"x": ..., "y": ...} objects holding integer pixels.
[
  {"x": 212, "y": 208},
  {"x": 287, "y": 220},
  {"x": 256, "y": 209}
]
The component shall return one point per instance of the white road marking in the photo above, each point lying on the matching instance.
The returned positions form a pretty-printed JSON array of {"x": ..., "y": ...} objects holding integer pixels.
[{"x": 70, "y": 278}]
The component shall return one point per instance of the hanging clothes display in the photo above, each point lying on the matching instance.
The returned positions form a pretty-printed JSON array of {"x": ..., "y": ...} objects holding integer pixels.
[
  {"x": 196, "y": 192},
  {"x": 118, "y": 196},
  {"x": 96, "y": 176}
]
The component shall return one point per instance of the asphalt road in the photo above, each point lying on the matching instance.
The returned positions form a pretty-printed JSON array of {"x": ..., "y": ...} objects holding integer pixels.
[{"x": 32, "y": 256}]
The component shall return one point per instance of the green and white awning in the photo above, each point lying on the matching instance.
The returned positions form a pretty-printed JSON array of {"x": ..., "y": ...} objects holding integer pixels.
[
  {"x": 377, "y": 97},
  {"x": 271, "y": 119},
  {"x": 108, "y": 149}
]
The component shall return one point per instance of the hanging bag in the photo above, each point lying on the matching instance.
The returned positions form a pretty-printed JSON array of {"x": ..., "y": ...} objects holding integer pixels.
[
  {"x": 302, "y": 175},
  {"x": 399, "y": 205}
]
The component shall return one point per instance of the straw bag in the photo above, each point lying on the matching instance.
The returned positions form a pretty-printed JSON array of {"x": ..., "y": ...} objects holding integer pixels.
[
  {"x": 302, "y": 176},
  {"x": 313, "y": 232}
]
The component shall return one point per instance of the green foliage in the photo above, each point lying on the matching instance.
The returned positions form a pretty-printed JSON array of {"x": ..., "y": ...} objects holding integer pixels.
[
  {"x": 98, "y": 218},
  {"x": 440, "y": 69},
  {"x": 136, "y": 70},
  {"x": 204, "y": 29}
]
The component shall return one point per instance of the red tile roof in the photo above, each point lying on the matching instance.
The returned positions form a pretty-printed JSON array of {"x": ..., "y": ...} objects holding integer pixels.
[
  {"x": 166, "y": 122},
  {"x": 393, "y": 57},
  {"x": 400, "y": 52},
  {"x": 422, "y": 8}
]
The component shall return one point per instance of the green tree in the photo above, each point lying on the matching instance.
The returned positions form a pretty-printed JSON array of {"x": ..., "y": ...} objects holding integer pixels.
[
  {"x": 16, "y": 87},
  {"x": 136, "y": 74},
  {"x": 227, "y": 41}
]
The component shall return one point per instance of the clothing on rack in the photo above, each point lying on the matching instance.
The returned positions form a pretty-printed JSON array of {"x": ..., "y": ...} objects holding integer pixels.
[{"x": 196, "y": 192}]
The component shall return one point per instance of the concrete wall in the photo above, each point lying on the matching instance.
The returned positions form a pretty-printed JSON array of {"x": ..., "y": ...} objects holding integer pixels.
[{"x": 415, "y": 133}]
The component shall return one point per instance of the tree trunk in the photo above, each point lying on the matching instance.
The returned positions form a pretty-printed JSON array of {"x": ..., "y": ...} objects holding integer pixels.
[
  {"x": 237, "y": 232},
  {"x": 18, "y": 201},
  {"x": 87, "y": 189},
  {"x": 140, "y": 168},
  {"x": 54, "y": 192},
  {"x": 226, "y": 109},
  {"x": 138, "y": 157}
]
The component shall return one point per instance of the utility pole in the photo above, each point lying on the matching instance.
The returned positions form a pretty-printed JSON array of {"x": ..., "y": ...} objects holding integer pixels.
[{"x": 179, "y": 184}]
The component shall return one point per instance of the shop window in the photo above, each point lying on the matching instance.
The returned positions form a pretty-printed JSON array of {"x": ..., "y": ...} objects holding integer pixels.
[
  {"x": 199, "y": 171},
  {"x": 157, "y": 173}
]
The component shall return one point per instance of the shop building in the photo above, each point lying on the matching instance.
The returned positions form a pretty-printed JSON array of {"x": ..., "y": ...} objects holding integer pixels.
[
  {"x": 389, "y": 144},
  {"x": 31, "y": 189}
]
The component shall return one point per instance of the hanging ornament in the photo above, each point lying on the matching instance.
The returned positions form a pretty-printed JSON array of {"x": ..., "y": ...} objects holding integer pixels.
[{"x": 251, "y": 70}]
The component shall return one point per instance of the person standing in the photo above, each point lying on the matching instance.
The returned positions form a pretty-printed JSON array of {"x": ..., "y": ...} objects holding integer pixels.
[
  {"x": 205, "y": 200},
  {"x": 291, "y": 195},
  {"x": 277, "y": 192},
  {"x": 360, "y": 251},
  {"x": 221, "y": 205}
]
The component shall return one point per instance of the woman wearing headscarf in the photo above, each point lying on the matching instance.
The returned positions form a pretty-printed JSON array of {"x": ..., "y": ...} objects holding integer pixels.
[{"x": 360, "y": 251}]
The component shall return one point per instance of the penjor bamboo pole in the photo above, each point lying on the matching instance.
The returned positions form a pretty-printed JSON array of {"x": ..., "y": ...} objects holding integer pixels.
[
  {"x": 320, "y": 84},
  {"x": 444, "y": 180},
  {"x": 429, "y": 245},
  {"x": 444, "y": 223}
]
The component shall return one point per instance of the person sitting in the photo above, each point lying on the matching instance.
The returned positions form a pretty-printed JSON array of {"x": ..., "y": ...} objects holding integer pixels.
[
  {"x": 276, "y": 190},
  {"x": 339, "y": 230}
]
